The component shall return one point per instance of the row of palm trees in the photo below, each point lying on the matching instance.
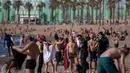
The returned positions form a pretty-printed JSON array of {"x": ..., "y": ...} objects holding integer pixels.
[
  {"x": 67, "y": 6},
  {"x": 17, "y": 5}
]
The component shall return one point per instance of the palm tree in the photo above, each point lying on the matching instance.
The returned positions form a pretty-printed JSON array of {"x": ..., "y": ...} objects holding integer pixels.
[
  {"x": 40, "y": 8},
  {"x": 127, "y": 9},
  {"x": 17, "y": 6},
  {"x": 82, "y": 4},
  {"x": 6, "y": 6},
  {"x": 118, "y": 1},
  {"x": 111, "y": 4},
  {"x": 92, "y": 5},
  {"x": 73, "y": 5},
  {"x": 29, "y": 7},
  {"x": 97, "y": 7},
  {"x": 88, "y": 11},
  {"x": 52, "y": 6}
]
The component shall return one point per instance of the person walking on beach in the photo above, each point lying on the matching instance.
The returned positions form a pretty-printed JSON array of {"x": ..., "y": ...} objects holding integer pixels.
[
  {"x": 106, "y": 63},
  {"x": 32, "y": 51}
]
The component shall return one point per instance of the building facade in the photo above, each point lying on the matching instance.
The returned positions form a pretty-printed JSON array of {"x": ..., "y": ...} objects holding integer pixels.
[{"x": 46, "y": 13}]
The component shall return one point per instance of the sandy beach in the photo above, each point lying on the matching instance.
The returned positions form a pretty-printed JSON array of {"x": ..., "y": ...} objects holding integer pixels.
[{"x": 40, "y": 29}]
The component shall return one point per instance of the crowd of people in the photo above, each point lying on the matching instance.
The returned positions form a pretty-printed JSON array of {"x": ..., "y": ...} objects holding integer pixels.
[{"x": 77, "y": 51}]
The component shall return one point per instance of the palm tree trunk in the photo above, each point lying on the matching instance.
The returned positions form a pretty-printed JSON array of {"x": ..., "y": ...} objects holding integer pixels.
[
  {"x": 18, "y": 16},
  {"x": 103, "y": 12},
  {"x": 52, "y": 11},
  {"x": 29, "y": 16},
  {"x": 8, "y": 15},
  {"x": 96, "y": 15},
  {"x": 70, "y": 14},
  {"x": 118, "y": 11},
  {"x": 110, "y": 14},
  {"x": 113, "y": 15},
  {"x": 88, "y": 14},
  {"x": 73, "y": 14},
  {"x": 100, "y": 15},
  {"x": 82, "y": 13},
  {"x": 78, "y": 15},
  {"x": 63, "y": 13},
  {"x": 92, "y": 13},
  {"x": 126, "y": 13}
]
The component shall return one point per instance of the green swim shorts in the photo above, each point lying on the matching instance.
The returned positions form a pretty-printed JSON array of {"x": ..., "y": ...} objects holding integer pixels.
[{"x": 106, "y": 65}]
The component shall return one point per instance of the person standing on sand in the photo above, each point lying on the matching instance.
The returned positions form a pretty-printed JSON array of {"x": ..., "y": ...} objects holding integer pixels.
[
  {"x": 103, "y": 43},
  {"x": 106, "y": 63},
  {"x": 92, "y": 51},
  {"x": 48, "y": 57},
  {"x": 58, "y": 54},
  {"x": 40, "y": 42},
  {"x": 32, "y": 51},
  {"x": 116, "y": 41},
  {"x": 72, "y": 52},
  {"x": 22, "y": 40},
  {"x": 7, "y": 38}
]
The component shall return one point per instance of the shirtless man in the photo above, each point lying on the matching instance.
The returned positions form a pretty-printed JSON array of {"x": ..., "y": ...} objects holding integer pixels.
[
  {"x": 72, "y": 52},
  {"x": 106, "y": 63},
  {"x": 32, "y": 51},
  {"x": 58, "y": 54},
  {"x": 92, "y": 50}
]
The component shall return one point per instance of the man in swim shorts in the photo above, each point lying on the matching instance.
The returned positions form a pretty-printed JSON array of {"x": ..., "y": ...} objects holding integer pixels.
[
  {"x": 32, "y": 51},
  {"x": 58, "y": 54},
  {"x": 106, "y": 63},
  {"x": 72, "y": 52},
  {"x": 92, "y": 50}
]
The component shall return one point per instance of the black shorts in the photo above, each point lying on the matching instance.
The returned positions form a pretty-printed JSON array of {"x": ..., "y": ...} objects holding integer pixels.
[
  {"x": 58, "y": 57},
  {"x": 30, "y": 64},
  {"x": 93, "y": 55},
  {"x": 72, "y": 55},
  {"x": 41, "y": 58}
]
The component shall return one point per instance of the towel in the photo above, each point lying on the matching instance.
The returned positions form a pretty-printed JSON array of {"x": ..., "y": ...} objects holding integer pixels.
[{"x": 48, "y": 55}]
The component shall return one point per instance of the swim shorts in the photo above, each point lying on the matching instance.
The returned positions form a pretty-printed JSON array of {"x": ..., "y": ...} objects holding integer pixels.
[
  {"x": 93, "y": 55},
  {"x": 106, "y": 65},
  {"x": 72, "y": 55},
  {"x": 30, "y": 64},
  {"x": 58, "y": 57}
]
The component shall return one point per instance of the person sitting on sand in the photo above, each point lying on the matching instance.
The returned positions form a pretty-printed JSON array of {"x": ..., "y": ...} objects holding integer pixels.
[
  {"x": 106, "y": 63},
  {"x": 6, "y": 68},
  {"x": 32, "y": 51}
]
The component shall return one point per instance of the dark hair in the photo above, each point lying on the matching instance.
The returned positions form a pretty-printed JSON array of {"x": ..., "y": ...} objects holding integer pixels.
[
  {"x": 101, "y": 33},
  {"x": 56, "y": 37}
]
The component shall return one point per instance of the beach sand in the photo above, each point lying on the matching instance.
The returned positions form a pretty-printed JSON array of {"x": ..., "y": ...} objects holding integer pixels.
[{"x": 39, "y": 29}]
